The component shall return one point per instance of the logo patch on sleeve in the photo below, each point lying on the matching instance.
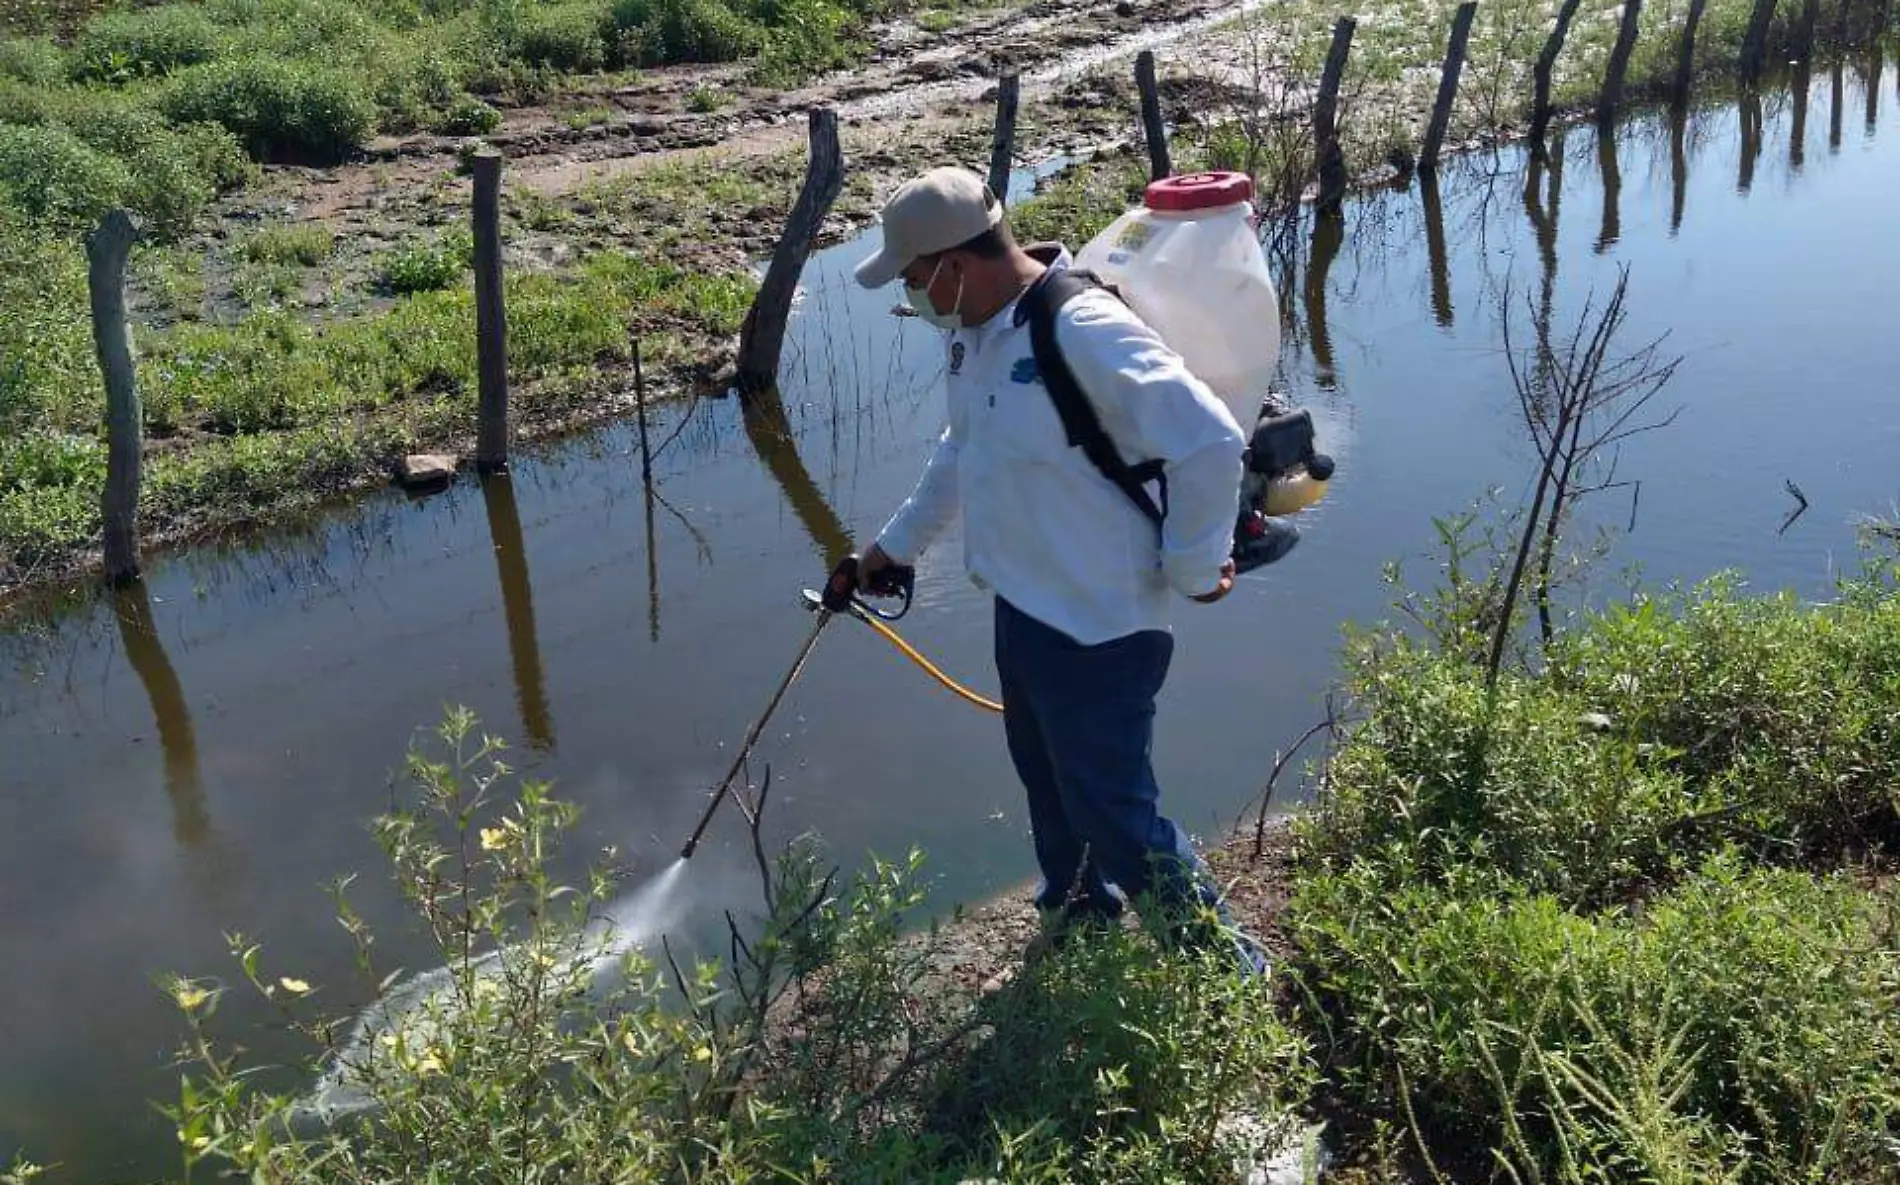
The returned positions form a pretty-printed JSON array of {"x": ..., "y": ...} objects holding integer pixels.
[
  {"x": 1024, "y": 371},
  {"x": 956, "y": 357}
]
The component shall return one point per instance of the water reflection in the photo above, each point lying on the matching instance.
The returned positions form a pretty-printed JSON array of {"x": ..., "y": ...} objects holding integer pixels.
[
  {"x": 517, "y": 603},
  {"x": 138, "y": 633},
  {"x": 1611, "y": 170},
  {"x": 770, "y": 431},
  {"x": 1876, "y": 62},
  {"x": 1678, "y": 165},
  {"x": 1437, "y": 258},
  {"x": 1751, "y": 125},
  {"x": 1801, "y": 83},
  {"x": 1837, "y": 103},
  {"x": 1328, "y": 235}
]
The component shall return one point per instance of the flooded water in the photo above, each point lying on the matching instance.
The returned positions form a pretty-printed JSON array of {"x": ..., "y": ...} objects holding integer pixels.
[{"x": 202, "y": 755}]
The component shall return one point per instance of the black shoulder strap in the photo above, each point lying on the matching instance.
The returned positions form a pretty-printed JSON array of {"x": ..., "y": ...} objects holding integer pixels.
[{"x": 1041, "y": 305}]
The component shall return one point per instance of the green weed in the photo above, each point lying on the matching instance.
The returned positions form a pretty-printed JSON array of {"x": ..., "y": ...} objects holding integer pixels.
[
  {"x": 122, "y": 46},
  {"x": 303, "y": 245},
  {"x": 424, "y": 267}
]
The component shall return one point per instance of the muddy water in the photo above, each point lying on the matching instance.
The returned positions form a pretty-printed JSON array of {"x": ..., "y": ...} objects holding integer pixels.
[{"x": 201, "y": 756}]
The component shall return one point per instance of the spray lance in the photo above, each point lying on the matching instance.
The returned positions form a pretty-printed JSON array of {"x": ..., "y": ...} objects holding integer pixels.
[{"x": 840, "y": 596}]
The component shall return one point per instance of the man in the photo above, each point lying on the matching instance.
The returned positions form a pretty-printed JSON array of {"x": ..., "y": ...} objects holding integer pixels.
[{"x": 1082, "y": 579}]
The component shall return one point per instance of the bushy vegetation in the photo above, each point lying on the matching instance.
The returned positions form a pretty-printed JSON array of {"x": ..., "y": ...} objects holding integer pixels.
[
  {"x": 1624, "y": 917},
  {"x": 546, "y": 1049}
]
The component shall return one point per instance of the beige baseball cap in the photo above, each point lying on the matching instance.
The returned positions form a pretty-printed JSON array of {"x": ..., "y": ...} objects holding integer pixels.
[{"x": 944, "y": 208}]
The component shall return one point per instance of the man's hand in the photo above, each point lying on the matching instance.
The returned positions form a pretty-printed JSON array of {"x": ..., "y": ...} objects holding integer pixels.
[
  {"x": 874, "y": 561},
  {"x": 1225, "y": 586}
]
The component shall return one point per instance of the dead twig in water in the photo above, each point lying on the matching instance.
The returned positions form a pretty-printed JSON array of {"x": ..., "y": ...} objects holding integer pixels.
[
  {"x": 1328, "y": 725},
  {"x": 1801, "y": 507}
]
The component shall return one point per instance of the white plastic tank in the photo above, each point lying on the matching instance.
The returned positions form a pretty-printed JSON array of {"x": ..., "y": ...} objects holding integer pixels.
[{"x": 1189, "y": 261}]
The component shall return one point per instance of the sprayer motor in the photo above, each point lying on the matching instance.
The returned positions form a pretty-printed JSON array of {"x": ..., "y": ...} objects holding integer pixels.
[{"x": 1281, "y": 461}]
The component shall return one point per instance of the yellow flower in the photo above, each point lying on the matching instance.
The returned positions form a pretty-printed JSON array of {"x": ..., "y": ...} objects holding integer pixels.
[
  {"x": 493, "y": 838},
  {"x": 428, "y": 1064},
  {"x": 295, "y": 986},
  {"x": 631, "y": 1042},
  {"x": 190, "y": 997},
  {"x": 703, "y": 1054}
]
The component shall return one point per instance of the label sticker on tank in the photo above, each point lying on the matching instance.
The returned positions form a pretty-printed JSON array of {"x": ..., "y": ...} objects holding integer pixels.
[{"x": 1134, "y": 236}]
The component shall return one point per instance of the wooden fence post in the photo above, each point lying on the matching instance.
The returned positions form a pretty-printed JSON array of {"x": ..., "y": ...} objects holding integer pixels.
[
  {"x": 107, "y": 249},
  {"x": 1447, "y": 85},
  {"x": 762, "y": 340},
  {"x": 1326, "y": 150},
  {"x": 1685, "y": 53},
  {"x": 640, "y": 408},
  {"x": 1612, "y": 96},
  {"x": 491, "y": 318},
  {"x": 1755, "y": 41},
  {"x": 1546, "y": 63},
  {"x": 1003, "y": 142},
  {"x": 1152, "y": 127}
]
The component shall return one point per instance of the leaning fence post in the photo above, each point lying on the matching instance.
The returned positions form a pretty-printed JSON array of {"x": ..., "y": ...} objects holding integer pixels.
[
  {"x": 1612, "y": 96},
  {"x": 1326, "y": 149},
  {"x": 1159, "y": 164},
  {"x": 491, "y": 318},
  {"x": 762, "y": 339},
  {"x": 1447, "y": 85},
  {"x": 1755, "y": 41},
  {"x": 107, "y": 249},
  {"x": 1004, "y": 140},
  {"x": 1546, "y": 63},
  {"x": 1685, "y": 54}
]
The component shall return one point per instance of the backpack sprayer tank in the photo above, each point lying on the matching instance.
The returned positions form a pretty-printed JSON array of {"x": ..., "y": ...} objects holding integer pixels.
[{"x": 1189, "y": 261}]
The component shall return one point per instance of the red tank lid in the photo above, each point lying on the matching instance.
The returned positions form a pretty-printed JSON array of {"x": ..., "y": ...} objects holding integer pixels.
[{"x": 1199, "y": 191}]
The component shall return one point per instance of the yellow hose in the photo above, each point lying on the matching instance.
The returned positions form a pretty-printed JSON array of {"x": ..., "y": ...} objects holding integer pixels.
[{"x": 929, "y": 668}]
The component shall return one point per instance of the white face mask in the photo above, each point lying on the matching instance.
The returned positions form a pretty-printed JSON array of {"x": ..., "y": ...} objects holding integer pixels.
[{"x": 919, "y": 299}]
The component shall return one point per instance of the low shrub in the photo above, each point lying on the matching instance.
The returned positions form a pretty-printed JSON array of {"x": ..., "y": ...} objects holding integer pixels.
[
  {"x": 36, "y": 61},
  {"x": 1742, "y": 1027},
  {"x": 423, "y": 267},
  {"x": 54, "y": 176},
  {"x": 277, "y": 109},
  {"x": 120, "y": 46},
  {"x": 660, "y": 32},
  {"x": 467, "y": 116},
  {"x": 565, "y": 36}
]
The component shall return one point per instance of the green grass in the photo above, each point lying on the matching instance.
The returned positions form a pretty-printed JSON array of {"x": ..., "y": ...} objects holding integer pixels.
[{"x": 258, "y": 403}]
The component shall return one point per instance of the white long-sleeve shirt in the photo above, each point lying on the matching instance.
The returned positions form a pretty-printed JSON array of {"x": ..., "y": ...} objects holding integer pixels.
[{"x": 1041, "y": 526}]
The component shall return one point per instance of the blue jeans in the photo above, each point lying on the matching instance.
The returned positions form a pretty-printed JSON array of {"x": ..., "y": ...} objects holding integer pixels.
[{"x": 1080, "y": 723}]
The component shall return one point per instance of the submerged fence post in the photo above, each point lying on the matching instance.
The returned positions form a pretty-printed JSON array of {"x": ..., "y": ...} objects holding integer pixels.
[
  {"x": 1685, "y": 54},
  {"x": 1612, "y": 96},
  {"x": 1755, "y": 41},
  {"x": 1152, "y": 127},
  {"x": 1326, "y": 150},
  {"x": 1546, "y": 63},
  {"x": 762, "y": 340},
  {"x": 1003, "y": 142},
  {"x": 491, "y": 318},
  {"x": 1447, "y": 85},
  {"x": 107, "y": 249}
]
